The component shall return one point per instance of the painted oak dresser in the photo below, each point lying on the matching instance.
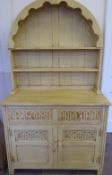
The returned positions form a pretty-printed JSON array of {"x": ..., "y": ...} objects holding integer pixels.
[{"x": 56, "y": 115}]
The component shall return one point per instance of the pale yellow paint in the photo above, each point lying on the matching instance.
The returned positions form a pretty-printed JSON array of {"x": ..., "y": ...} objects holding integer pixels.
[
  {"x": 55, "y": 97},
  {"x": 38, "y": 4},
  {"x": 66, "y": 69},
  {"x": 55, "y": 118}
]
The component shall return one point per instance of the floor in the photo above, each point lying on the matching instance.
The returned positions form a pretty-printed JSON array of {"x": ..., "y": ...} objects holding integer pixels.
[
  {"x": 107, "y": 165},
  {"x": 108, "y": 156}
]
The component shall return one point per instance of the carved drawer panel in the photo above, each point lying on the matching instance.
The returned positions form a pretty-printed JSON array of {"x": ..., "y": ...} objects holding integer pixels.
[
  {"x": 82, "y": 115},
  {"x": 28, "y": 114}
]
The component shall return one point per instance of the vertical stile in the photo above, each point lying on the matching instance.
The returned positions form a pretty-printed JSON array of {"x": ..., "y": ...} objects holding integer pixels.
[
  {"x": 99, "y": 73},
  {"x": 13, "y": 75}
]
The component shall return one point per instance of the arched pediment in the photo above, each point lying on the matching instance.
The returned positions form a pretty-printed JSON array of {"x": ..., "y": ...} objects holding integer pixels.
[{"x": 70, "y": 9}]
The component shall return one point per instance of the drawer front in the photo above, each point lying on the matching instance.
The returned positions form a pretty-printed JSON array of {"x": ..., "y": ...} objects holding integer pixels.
[
  {"x": 91, "y": 115},
  {"x": 29, "y": 114}
]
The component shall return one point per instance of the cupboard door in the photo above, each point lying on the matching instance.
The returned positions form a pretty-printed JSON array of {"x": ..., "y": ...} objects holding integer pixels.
[
  {"x": 78, "y": 147},
  {"x": 31, "y": 146}
]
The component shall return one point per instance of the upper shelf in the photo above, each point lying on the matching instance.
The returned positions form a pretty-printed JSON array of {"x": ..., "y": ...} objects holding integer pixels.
[
  {"x": 55, "y": 69},
  {"x": 55, "y": 48}
]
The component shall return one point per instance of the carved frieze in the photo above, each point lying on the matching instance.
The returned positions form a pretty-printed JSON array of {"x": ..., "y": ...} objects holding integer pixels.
[
  {"x": 31, "y": 135},
  {"x": 29, "y": 114},
  {"x": 79, "y": 135},
  {"x": 80, "y": 115}
]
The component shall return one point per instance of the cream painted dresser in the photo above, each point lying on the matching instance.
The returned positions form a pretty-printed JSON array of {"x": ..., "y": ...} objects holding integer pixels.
[{"x": 56, "y": 115}]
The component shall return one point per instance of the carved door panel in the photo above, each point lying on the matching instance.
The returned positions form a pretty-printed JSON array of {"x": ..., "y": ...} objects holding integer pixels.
[
  {"x": 31, "y": 146},
  {"x": 78, "y": 146}
]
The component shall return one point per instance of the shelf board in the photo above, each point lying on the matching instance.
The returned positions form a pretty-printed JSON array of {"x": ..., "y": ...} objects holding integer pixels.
[
  {"x": 55, "y": 48},
  {"x": 54, "y": 69}
]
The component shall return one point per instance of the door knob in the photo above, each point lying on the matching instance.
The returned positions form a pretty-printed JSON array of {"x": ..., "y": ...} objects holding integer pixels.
[{"x": 54, "y": 149}]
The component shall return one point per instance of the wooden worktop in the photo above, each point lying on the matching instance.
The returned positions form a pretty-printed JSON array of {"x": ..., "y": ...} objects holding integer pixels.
[{"x": 55, "y": 97}]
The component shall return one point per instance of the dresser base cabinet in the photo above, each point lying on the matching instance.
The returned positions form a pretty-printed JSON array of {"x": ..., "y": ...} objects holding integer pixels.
[{"x": 55, "y": 137}]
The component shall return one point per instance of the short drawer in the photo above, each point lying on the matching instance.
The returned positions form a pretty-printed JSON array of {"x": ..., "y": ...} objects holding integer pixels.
[
  {"x": 28, "y": 114},
  {"x": 91, "y": 115}
]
